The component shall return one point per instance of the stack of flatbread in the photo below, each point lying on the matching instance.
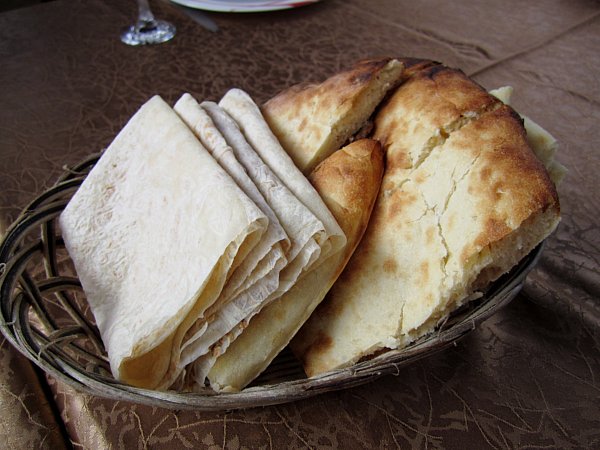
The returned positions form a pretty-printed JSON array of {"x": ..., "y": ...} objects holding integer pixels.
[
  {"x": 193, "y": 222},
  {"x": 182, "y": 232},
  {"x": 208, "y": 233}
]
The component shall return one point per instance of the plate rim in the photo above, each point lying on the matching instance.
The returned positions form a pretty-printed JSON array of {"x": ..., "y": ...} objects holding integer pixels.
[{"x": 232, "y": 6}]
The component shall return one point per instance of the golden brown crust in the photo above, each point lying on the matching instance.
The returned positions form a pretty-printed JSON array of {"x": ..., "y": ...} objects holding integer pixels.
[
  {"x": 348, "y": 181},
  {"x": 413, "y": 66},
  {"x": 313, "y": 120},
  {"x": 361, "y": 162},
  {"x": 510, "y": 183},
  {"x": 336, "y": 90},
  {"x": 463, "y": 198},
  {"x": 434, "y": 97}
]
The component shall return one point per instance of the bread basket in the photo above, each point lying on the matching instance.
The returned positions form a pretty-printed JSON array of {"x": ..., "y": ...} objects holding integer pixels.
[{"x": 44, "y": 314}]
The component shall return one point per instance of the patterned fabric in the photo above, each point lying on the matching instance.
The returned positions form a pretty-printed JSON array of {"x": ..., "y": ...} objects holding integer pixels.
[{"x": 528, "y": 377}]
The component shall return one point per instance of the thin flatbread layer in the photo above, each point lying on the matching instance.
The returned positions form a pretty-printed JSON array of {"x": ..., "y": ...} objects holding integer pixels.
[
  {"x": 154, "y": 231},
  {"x": 304, "y": 229},
  {"x": 257, "y": 277},
  {"x": 275, "y": 239},
  {"x": 203, "y": 127},
  {"x": 314, "y": 120},
  {"x": 463, "y": 199},
  {"x": 248, "y": 117},
  {"x": 348, "y": 182}
]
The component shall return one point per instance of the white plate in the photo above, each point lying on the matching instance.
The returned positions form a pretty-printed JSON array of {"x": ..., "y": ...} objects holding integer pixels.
[{"x": 244, "y": 5}]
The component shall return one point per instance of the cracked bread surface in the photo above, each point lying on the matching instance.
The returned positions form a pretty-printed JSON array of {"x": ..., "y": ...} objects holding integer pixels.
[{"x": 463, "y": 199}]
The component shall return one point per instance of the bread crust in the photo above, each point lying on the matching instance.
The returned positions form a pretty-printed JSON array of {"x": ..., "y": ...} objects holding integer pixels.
[
  {"x": 312, "y": 120},
  {"x": 463, "y": 199},
  {"x": 348, "y": 182}
]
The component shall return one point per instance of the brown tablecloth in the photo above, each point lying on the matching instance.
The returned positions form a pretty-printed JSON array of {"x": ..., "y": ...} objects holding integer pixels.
[{"x": 529, "y": 377}]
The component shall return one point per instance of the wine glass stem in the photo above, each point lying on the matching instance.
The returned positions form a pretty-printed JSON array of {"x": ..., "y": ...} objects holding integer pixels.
[{"x": 144, "y": 12}]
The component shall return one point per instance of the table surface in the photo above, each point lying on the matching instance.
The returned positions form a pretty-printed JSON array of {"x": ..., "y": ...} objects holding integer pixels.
[{"x": 529, "y": 377}]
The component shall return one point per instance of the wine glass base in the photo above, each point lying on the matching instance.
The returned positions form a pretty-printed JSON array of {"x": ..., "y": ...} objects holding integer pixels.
[{"x": 155, "y": 32}]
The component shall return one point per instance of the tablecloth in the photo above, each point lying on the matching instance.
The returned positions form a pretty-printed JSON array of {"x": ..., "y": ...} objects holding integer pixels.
[{"x": 529, "y": 377}]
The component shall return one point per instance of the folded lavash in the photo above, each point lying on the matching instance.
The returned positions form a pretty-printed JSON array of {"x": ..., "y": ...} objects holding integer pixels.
[
  {"x": 288, "y": 192},
  {"x": 258, "y": 276},
  {"x": 154, "y": 232},
  {"x": 306, "y": 228},
  {"x": 220, "y": 134},
  {"x": 182, "y": 232}
]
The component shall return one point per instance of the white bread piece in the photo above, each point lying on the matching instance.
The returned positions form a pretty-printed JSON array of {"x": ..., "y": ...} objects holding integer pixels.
[{"x": 463, "y": 199}]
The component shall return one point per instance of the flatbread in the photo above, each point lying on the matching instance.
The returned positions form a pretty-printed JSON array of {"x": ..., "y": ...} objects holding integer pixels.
[
  {"x": 154, "y": 231},
  {"x": 310, "y": 238},
  {"x": 313, "y": 120},
  {"x": 348, "y": 182},
  {"x": 275, "y": 241},
  {"x": 463, "y": 199},
  {"x": 304, "y": 229},
  {"x": 248, "y": 117},
  {"x": 257, "y": 277}
]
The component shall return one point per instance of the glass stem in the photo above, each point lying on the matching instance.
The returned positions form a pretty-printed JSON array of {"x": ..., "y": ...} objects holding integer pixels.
[{"x": 145, "y": 15}]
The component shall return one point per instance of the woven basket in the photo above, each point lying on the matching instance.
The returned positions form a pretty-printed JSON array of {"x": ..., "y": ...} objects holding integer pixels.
[{"x": 44, "y": 314}]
